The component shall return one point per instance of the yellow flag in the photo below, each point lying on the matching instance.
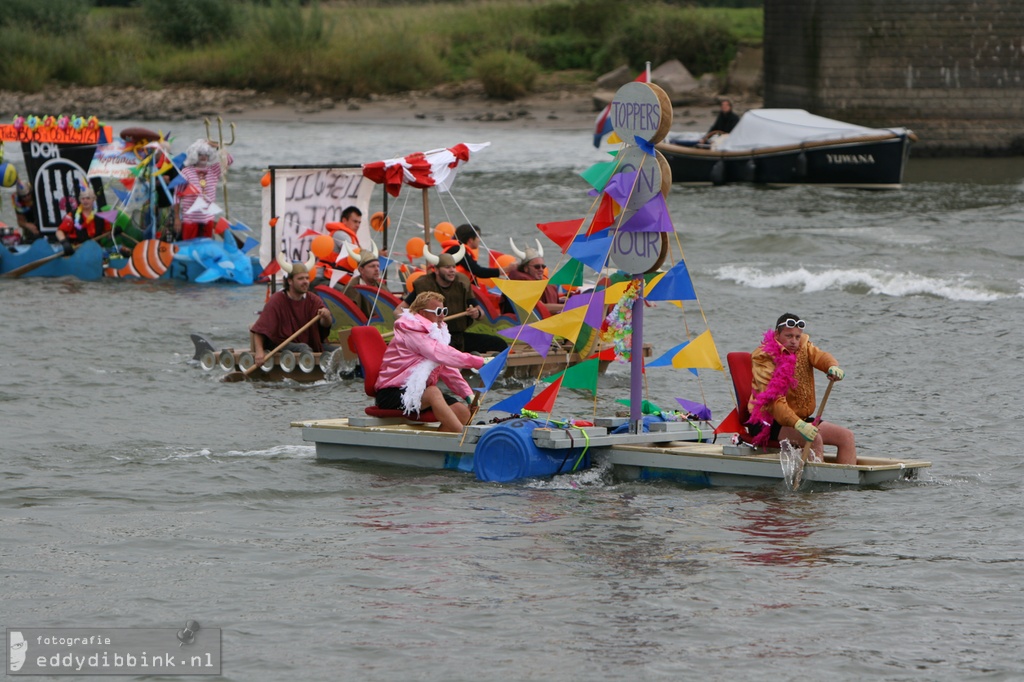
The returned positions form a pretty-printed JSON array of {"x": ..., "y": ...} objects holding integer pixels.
[
  {"x": 524, "y": 294},
  {"x": 613, "y": 138},
  {"x": 613, "y": 293},
  {"x": 699, "y": 354},
  {"x": 566, "y": 324}
]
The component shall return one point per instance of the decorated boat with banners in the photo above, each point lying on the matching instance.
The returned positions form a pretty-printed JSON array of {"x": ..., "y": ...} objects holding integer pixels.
[
  {"x": 793, "y": 147},
  {"x": 627, "y": 226},
  {"x": 135, "y": 180}
]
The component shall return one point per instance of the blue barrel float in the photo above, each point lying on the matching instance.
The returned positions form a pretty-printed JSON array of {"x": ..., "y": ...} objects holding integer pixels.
[{"x": 507, "y": 452}]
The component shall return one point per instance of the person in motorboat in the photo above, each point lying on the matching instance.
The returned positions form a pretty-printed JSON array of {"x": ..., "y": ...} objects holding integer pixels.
[
  {"x": 81, "y": 222},
  {"x": 724, "y": 122},
  {"x": 369, "y": 275},
  {"x": 288, "y": 310},
  {"x": 531, "y": 267},
  {"x": 420, "y": 355},
  {"x": 782, "y": 401}
]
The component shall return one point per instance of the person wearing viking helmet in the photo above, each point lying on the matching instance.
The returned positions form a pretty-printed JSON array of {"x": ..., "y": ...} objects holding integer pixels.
[
  {"x": 458, "y": 298},
  {"x": 288, "y": 310},
  {"x": 531, "y": 267},
  {"x": 369, "y": 275}
]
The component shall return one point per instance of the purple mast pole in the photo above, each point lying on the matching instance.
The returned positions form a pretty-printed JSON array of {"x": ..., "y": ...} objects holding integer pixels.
[{"x": 636, "y": 365}]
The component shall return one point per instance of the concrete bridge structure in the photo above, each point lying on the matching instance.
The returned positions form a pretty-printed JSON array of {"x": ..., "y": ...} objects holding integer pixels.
[{"x": 951, "y": 70}]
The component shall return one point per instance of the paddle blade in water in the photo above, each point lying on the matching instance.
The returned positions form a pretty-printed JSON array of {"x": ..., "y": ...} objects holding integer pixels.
[{"x": 792, "y": 463}]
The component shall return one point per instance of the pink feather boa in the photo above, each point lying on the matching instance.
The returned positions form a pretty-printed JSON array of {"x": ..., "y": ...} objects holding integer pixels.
[{"x": 783, "y": 380}]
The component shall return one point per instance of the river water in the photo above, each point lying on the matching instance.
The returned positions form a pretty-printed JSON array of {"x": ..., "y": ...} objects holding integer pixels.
[{"x": 139, "y": 491}]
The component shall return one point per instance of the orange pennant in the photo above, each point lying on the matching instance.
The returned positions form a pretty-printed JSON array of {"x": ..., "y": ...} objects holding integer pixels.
[{"x": 731, "y": 424}]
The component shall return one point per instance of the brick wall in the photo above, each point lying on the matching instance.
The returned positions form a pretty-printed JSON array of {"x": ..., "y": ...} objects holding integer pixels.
[{"x": 951, "y": 70}]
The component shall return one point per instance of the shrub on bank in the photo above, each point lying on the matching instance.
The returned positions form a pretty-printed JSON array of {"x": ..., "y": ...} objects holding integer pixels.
[{"x": 506, "y": 75}]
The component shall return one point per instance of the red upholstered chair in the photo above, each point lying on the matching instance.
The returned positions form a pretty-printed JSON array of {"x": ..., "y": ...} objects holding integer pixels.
[
  {"x": 742, "y": 372},
  {"x": 368, "y": 344}
]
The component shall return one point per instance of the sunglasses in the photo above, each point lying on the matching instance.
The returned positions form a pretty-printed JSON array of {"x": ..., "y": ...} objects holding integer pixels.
[
  {"x": 799, "y": 324},
  {"x": 538, "y": 267},
  {"x": 440, "y": 312}
]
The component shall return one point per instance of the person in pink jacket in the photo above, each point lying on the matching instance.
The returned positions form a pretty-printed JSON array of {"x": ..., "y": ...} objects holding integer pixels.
[{"x": 417, "y": 358}]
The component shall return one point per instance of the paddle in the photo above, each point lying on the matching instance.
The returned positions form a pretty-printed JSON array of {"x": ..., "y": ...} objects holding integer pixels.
[
  {"x": 243, "y": 375},
  {"x": 807, "y": 446},
  {"x": 29, "y": 267}
]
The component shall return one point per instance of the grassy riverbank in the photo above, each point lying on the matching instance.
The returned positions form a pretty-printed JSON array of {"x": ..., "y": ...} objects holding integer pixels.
[{"x": 355, "y": 49}]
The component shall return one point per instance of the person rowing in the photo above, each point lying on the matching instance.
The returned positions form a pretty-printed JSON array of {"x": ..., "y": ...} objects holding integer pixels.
[
  {"x": 288, "y": 310},
  {"x": 782, "y": 401}
]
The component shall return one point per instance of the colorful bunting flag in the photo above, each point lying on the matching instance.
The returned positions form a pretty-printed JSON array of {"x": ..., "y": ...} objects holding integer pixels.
[
  {"x": 514, "y": 404},
  {"x": 493, "y": 369},
  {"x": 592, "y": 251},
  {"x": 545, "y": 401},
  {"x": 594, "y": 301},
  {"x": 699, "y": 353},
  {"x": 698, "y": 410},
  {"x": 561, "y": 232},
  {"x": 582, "y": 376},
  {"x": 731, "y": 424},
  {"x": 599, "y": 174},
  {"x": 566, "y": 324},
  {"x": 537, "y": 340},
  {"x": 524, "y": 293},
  {"x": 569, "y": 275},
  {"x": 675, "y": 285},
  {"x": 651, "y": 217}
]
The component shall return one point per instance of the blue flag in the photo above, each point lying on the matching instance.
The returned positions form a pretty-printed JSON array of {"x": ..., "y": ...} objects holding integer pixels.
[
  {"x": 514, "y": 404},
  {"x": 492, "y": 370}
]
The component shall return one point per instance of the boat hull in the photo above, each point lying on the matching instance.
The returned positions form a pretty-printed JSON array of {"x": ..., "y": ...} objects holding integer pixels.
[
  {"x": 675, "y": 454},
  {"x": 86, "y": 263},
  {"x": 871, "y": 164}
]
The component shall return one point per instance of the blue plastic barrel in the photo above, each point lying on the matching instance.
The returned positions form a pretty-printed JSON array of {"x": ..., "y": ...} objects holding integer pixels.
[{"x": 507, "y": 452}]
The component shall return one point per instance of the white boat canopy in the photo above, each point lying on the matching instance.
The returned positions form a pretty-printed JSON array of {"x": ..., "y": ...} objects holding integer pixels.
[{"x": 760, "y": 128}]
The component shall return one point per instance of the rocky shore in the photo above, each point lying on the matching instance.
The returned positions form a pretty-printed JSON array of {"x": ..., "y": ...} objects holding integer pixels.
[{"x": 554, "y": 105}]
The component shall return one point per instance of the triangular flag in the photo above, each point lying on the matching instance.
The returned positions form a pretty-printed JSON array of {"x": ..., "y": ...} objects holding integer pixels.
[
  {"x": 336, "y": 275},
  {"x": 595, "y": 307},
  {"x": 731, "y": 424},
  {"x": 514, "y": 404},
  {"x": 606, "y": 354},
  {"x": 545, "y": 401},
  {"x": 674, "y": 286},
  {"x": 698, "y": 410},
  {"x": 699, "y": 353},
  {"x": 592, "y": 251},
  {"x": 249, "y": 244},
  {"x": 178, "y": 181},
  {"x": 665, "y": 359},
  {"x": 620, "y": 187},
  {"x": 524, "y": 293},
  {"x": 604, "y": 217},
  {"x": 566, "y": 324},
  {"x": 492, "y": 370},
  {"x": 538, "y": 340},
  {"x": 239, "y": 225},
  {"x": 570, "y": 274},
  {"x": 582, "y": 376},
  {"x": 651, "y": 217},
  {"x": 309, "y": 233},
  {"x": 272, "y": 269},
  {"x": 109, "y": 216},
  {"x": 561, "y": 232},
  {"x": 598, "y": 174},
  {"x": 646, "y": 406}
]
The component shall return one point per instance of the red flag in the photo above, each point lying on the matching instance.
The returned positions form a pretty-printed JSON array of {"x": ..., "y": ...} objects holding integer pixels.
[
  {"x": 561, "y": 232},
  {"x": 272, "y": 269},
  {"x": 545, "y": 401},
  {"x": 604, "y": 216},
  {"x": 731, "y": 424}
]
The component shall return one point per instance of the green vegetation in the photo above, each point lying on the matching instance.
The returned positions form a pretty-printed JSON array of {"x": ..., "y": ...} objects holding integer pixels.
[{"x": 356, "y": 48}]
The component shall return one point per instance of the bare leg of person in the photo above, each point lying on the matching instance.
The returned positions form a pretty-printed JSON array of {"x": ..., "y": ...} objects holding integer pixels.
[
  {"x": 434, "y": 399},
  {"x": 842, "y": 438},
  {"x": 797, "y": 440}
]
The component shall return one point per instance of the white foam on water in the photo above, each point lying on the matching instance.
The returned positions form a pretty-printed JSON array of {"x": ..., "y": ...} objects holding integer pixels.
[
  {"x": 278, "y": 451},
  {"x": 877, "y": 282}
]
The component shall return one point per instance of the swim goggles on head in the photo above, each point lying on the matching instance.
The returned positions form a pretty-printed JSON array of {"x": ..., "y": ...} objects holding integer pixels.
[
  {"x": 440, "y": 312},
  {"x": 800, "y": 324}
]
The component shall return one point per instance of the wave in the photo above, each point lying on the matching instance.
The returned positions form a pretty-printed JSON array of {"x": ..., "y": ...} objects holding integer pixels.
[{"x": 873, "y": 282}]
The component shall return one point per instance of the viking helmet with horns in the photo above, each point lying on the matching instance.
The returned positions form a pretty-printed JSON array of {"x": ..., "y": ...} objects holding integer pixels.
[
  {"x": 528, "y": 255},
  {"x": 445, "y": 259},
  {"x": 362, "y": 256},
  {"x": 292, "y": 269}
]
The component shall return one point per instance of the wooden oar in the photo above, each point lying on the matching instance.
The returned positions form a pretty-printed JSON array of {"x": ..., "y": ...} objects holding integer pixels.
[
  {"x": 242, "y": 376},
  {"x": 388, "y": 335},
  {"x": 29, "y": 267},
  {"x": 807, "y": 446}
]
